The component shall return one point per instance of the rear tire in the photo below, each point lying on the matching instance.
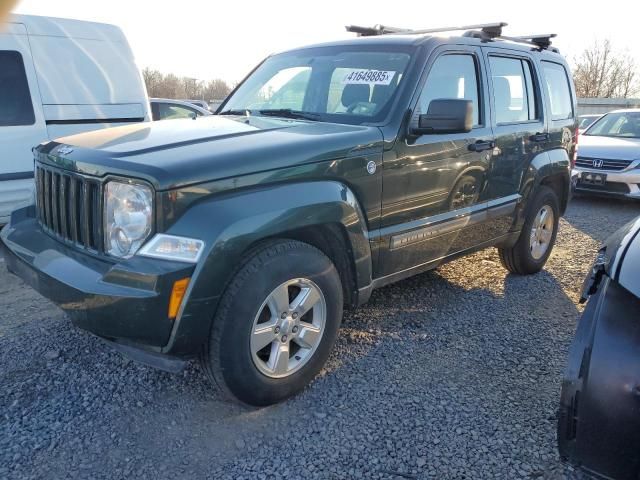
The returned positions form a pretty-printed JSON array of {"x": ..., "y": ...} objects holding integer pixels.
[
  {"x": 538, "y": 236},
  {"x": 260, "y": 354}
]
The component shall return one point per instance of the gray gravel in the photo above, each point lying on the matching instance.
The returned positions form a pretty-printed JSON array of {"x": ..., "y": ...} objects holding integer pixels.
[{"x": 451, "y": 374}]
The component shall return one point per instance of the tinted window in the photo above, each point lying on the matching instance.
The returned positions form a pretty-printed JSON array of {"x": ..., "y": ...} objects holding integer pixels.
[
  {"x": 513, "y": 90},
  {"x": 557, "y": 84},
  {"x": 15, "y": 100},
  {"x": 451, "y": 76},
  {"x": 168, "y": 111}
]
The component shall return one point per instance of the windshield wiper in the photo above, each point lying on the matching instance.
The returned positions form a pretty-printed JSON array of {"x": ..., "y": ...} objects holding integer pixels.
[
  {"x": 289, "y": 113},
  {"x": 245, "y": 111}
]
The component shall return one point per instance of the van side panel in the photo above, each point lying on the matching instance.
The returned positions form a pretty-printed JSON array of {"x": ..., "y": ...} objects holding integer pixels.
[
  {"x": 81, "y": 76},
  {"x": 77, "y": 71},
  {"x": 65, "y": 120},
  {"x": 18, "y": 137}
]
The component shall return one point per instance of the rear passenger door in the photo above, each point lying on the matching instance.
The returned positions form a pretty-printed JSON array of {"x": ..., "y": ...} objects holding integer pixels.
[
  {"x": 561, "y": 100},
  {"x": 520, "y": 129}
]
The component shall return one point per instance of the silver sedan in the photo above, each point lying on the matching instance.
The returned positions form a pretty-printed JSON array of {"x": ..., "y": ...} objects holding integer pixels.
[{"x": 609, "y": 156}]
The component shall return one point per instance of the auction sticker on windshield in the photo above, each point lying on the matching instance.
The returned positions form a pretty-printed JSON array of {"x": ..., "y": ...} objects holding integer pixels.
[{"x": 368, "y": 77}]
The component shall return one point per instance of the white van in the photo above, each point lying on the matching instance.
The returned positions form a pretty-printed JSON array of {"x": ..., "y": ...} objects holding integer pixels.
[{"x": 59, "y": 77}]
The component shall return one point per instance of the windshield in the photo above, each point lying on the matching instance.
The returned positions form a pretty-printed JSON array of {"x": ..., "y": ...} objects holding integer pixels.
[
  {"x": 622, "y": 124},
  {"x": 334, "y": 84},
  {"x": 586, "y": 121}
]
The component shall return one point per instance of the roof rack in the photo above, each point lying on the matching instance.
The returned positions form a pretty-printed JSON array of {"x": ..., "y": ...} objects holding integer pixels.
[
  {"x": 485, "y": 31},
  {"x": 493, "y": 29},
  {"x": 542, "y": 40}
]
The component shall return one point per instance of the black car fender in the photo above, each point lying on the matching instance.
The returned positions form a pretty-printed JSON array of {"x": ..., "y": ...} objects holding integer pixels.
[
  {"x": 231, "y": 225},
  {"x": 551, "y": 168}
]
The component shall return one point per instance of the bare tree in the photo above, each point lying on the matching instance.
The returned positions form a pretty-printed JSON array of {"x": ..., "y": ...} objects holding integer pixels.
[
  {"x": 216, "y": 90},
  {"x": 192, "y": 88},
  {"x": 601, "y": 71},
  {"x": 161, "y": 85},
  {"x": 153, "y": 81}
]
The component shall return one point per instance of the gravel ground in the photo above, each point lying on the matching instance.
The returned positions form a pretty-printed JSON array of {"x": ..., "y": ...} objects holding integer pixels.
[{"x": 451, "y": 374}]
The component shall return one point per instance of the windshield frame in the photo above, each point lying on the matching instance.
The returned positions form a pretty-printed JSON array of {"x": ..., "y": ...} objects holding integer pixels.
[
  {"x": 603, "y": 118},
  {"x": 413, "y": 51}
]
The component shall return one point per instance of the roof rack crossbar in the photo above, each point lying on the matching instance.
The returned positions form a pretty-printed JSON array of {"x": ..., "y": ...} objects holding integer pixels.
[
  {"x": 490, "y": 29},
  {"x": 375, "y": 30},
  {"x": 485, "y": 31},
  {"x": 541, "y": 40}
]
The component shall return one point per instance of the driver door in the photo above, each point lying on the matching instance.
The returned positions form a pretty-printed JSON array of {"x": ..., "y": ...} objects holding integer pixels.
[{"x": 435, "y": 186}]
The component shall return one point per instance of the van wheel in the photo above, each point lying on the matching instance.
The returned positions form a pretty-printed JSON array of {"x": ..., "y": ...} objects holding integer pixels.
[
  {"x": 538, "y": 235},
  {"x": 276, "y": 323}
]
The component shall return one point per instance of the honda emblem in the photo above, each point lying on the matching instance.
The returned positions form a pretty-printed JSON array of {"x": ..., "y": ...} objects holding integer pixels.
[{"x": 598, "y": 163}]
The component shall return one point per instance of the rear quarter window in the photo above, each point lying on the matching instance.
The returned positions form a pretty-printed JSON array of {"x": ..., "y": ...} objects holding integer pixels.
[
  {"x": 556, "y": 82},
  {"x": 15, "y": 99}
]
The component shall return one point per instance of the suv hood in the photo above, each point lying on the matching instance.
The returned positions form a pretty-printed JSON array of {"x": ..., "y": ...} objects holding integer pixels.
[
  {"x": 177, "y": 153},
  {"x": 593, "y": 146}
]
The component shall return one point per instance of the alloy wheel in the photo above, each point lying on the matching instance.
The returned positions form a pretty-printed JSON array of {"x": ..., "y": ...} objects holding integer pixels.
[
  {"x": 288, "y": 328},
  {"x": 542, "y": 232}
]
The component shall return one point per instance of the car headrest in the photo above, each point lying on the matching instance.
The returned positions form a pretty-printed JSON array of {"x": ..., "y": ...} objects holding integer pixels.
[
  {"x": 502, "y": 94},
  {"x": 354, "y": 93}
]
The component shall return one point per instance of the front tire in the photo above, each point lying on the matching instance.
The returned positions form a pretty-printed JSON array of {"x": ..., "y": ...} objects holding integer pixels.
[
  {"x": 276, "y": 323},
  {"x": 538, "y": 236}
]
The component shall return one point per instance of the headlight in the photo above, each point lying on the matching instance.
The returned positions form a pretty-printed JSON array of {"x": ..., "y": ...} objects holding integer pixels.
[
  {"x": 128, "y": 217},
  {"x": 170, "y": 247}
]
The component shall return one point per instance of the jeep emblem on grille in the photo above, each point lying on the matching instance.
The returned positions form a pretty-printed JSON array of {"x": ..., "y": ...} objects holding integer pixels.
[{"x": 598, "y": 163}]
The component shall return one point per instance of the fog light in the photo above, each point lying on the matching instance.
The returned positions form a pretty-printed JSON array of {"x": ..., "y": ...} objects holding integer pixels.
[
  {"x": 177, "y": 294},
  {"x": 170, "y": 247}
]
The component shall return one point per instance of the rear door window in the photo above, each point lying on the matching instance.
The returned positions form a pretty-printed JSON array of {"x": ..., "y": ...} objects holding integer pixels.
[
  {"x": 15, "y": 99},
  {"x": 558, "y": 90},
  {"x": 514, "y": 95}
]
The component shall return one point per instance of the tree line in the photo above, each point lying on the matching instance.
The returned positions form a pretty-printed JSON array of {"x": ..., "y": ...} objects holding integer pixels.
[
  {"x": 161, "y": 85},
  {"x": 603, "y": 71}
]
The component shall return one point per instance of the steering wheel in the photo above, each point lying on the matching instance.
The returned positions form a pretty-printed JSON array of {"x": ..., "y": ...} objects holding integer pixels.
[{"x": 364, "y": 105}]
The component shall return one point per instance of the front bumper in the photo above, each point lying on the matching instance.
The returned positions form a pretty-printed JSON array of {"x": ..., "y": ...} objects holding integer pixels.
[
  {"x": 619, "y": 183},
  {"x": 123, "y": 301}
]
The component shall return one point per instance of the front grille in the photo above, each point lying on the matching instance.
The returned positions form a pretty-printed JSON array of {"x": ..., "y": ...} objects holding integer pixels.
[
  {"x": 608, "y": 187},
  {"x": 70, "y": 207},
  {"x": 607, "y": 164}
]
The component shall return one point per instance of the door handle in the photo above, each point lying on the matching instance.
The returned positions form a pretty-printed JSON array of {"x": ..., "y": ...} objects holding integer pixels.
[
  {"x": 481, "y": 146},
  {"x": 539, "y": 137}
]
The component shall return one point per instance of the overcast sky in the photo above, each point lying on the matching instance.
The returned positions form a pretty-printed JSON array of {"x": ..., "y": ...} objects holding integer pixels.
[{"x": 208, "y": 39}]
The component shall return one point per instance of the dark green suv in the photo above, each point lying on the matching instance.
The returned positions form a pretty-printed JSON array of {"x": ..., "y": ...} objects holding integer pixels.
[{"x": 329, "y": 171}]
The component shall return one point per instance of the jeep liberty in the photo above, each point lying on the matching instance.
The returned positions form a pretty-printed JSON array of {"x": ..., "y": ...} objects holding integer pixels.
[{"x": 330, "y": 171}]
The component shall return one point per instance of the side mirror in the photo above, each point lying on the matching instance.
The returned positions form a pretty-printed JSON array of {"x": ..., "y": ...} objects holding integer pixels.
[{"x": 446, "y": 115}]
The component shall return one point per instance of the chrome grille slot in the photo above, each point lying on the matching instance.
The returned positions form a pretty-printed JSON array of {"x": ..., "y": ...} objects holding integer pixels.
[
  {"x": 607, "y": 164},
  {"x": 70, "y": 207}
]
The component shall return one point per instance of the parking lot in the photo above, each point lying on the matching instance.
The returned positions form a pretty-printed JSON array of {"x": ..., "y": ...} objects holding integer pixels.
[{"x": 452, "y": 374}]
